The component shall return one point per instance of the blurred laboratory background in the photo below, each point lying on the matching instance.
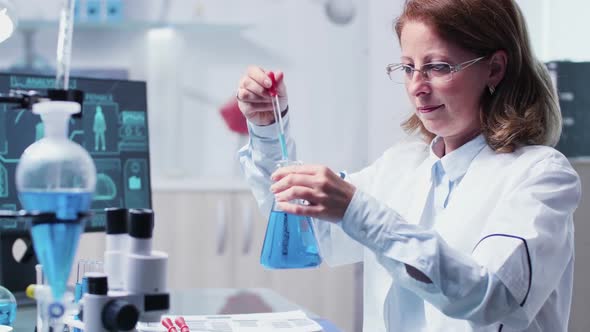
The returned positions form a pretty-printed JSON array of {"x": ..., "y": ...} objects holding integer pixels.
[{"x": 344, "y": 113}]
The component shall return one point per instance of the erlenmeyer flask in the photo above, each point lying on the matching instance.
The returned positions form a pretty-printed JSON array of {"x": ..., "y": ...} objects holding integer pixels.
[{"x": 290, "y": 241}]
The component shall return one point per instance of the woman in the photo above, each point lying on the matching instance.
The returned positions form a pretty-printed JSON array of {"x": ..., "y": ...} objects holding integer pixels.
[{"x": 470, "y": 229}]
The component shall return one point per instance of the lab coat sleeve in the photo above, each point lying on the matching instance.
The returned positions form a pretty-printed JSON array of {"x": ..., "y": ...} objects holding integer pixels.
[
  {"x": 258, "y": 160},
  {"x": 337, "y": 247},
  {"x": 507, "y": 278}
]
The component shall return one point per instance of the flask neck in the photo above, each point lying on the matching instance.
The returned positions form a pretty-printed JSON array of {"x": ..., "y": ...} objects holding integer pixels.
[
  {"x": 55, "y": 125},
  {"x": 55, "y": 116}
]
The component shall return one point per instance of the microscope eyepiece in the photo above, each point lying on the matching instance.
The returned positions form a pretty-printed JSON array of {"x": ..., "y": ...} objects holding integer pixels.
[
  {"x": 141, "y": 223},
  {"x": 116, "y": 220}
]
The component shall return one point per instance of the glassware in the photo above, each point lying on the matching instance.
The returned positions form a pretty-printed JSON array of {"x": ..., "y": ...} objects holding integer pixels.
[
  {"x": 57, "y": 177},
  {"x": 290, "y": 241},
  {"x": 7, "y": 307}
]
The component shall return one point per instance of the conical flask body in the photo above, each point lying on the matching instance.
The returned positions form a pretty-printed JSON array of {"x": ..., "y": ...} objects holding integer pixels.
[
  {"x": 56, "y": 241},
  {"x": 290, "y": 242}
]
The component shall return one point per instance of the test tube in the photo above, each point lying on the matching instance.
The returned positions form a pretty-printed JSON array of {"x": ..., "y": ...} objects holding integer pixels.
[{"x": 79, "y": 274}]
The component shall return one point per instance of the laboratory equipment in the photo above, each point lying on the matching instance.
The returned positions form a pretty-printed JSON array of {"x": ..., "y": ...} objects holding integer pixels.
[
  {"x": 144, "y": 296},
  {"x": 290, "y": 240},
  {"x": 64, "y": 45},
  {"x": 167, "y": 323},
  {"x": 276, "y": 107},
  {"x": 81, "y": 285},
  {"x": 84, "y": 266},
  {"x": 7, "y": 307},
  {"x": 46, "y": 306},
  {"x": 54, "y": 183},
  {"x": 181, "y": 323},
  {"x": 116, "y": 239},
  {"x": 122, "y": 178},
  {"x": 56, "y": 175},
  {"x": 101, "y": 312}
]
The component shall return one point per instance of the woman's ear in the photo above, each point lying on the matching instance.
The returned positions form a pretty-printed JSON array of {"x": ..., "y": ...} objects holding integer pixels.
[{"x": 498, "y": 62}]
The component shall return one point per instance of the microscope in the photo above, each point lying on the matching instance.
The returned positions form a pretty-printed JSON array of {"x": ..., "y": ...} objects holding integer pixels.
[{"x": 133, "y": 287}]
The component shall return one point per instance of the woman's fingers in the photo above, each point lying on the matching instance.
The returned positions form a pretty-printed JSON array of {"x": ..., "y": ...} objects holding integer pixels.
[
  {"x": 308, "y": 194},
  {"x": 256, "y": 108},
  {"x": 293, "y": 179},
  {"x": 251, "y": 91},
  {"x": 259, "y": 76},
  {"x": 253, "y": 96},
  {"x": 299, "y": 169}
]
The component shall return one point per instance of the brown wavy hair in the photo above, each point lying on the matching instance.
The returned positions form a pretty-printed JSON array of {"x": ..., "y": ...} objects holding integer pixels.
[{"x": 524, "y": 108}]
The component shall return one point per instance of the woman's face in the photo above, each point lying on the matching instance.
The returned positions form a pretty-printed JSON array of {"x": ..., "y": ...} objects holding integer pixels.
[{"x": 447, "y": 109}]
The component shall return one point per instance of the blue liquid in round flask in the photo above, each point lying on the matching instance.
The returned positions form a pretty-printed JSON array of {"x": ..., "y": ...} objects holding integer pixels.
[{"x": 290, "y": 241}]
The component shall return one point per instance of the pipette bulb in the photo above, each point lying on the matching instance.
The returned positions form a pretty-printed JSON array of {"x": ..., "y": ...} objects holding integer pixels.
[{"x": 273, "y": 88}]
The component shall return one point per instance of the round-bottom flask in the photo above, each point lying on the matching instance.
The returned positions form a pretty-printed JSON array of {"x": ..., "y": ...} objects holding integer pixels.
[{"x": 7, "y": 307}]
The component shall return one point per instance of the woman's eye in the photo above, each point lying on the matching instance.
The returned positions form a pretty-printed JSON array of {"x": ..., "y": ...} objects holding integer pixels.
[
  {"x": 407, "y": 69},
  {"x": 439, "y": 67}
]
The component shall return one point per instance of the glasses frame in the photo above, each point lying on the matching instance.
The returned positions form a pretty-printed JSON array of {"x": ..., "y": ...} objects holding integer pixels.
[{"x": 393, "y": 67}]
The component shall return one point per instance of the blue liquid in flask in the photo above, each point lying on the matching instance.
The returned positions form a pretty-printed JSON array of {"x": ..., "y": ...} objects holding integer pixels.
[
  {"x": 7, "y": 312},
  {"x": 56, "y": 242},
  {"x": 289, "y": 242}
]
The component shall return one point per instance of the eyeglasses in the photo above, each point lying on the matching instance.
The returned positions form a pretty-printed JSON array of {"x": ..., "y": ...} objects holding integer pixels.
[{"x": 433, "y": 72}]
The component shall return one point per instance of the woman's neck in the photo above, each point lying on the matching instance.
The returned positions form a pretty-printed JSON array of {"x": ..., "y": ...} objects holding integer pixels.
[{"x": 452, "y": 143}]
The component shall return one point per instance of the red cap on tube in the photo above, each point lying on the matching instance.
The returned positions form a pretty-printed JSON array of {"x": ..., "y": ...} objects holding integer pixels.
[
  {"x": 182, "y": 324},
  {"x": 167, "y": 322},
  {"x": 273, "y": 88}
]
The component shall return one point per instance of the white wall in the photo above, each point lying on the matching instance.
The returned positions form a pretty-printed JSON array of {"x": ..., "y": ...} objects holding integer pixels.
[
  {"x": 388, "y": 104},
  {"x": 558, "y": 29}
]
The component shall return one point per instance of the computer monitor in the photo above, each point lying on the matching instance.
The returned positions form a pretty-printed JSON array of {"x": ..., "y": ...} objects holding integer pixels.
[{"x": 113, "y": 128}]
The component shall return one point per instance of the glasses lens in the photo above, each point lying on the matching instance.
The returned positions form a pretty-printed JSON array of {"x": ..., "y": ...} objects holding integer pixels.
[
  {"x": 399, "y": 73},
  {"x": 438, "y": 72}
]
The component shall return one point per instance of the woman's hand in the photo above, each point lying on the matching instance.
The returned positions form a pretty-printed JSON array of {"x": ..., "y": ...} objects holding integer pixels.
[
  {"x": 254, "y": 98},
  {"x": 328, "y": 195}
]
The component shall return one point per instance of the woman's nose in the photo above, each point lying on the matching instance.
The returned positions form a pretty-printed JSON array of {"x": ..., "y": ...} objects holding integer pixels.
[{"x": 418, "y": 84}]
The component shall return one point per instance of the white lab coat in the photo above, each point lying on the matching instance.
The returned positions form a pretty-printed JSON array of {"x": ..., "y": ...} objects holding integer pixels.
[{"x": 508, "y": 227}]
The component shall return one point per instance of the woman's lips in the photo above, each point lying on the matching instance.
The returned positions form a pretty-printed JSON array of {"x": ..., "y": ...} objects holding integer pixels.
[{"x": 428, "y": 109}]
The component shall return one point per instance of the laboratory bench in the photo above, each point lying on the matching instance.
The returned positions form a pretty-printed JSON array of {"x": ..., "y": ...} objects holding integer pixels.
[{"x": 207, "y": 301}]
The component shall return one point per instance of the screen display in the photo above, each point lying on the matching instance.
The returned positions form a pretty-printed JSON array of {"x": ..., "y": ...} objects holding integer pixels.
[{"x": 113, "y": 129}]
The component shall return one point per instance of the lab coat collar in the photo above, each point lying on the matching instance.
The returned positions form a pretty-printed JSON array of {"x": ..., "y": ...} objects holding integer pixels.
[{"x": 456, "y": 163}]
